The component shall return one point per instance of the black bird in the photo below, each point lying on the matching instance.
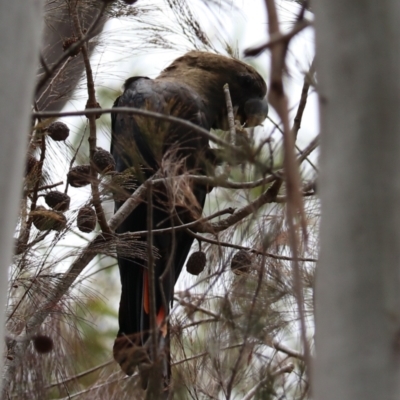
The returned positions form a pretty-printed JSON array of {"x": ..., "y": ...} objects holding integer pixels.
[{"x": 191, "y": 88}]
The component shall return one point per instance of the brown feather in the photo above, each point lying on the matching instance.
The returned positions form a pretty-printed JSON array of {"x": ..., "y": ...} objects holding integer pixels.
[
  {"x": 191, "y": 88},
  {"x": 207, "y": 73}
]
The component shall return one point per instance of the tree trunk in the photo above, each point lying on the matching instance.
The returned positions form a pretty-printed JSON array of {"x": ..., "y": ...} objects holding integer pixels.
[
  {"x": 357, "y": 287},
  {"x": 20, "y": 33}
]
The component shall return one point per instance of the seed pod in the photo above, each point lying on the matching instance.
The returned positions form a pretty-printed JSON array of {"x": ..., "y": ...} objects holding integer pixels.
[
  {"x": 68, "y": 42},
  {"x": 44, "y": 219},
  {"x": 241, "y": 262},
  {"x": 43, "y": 344},
  {"x": 57, "y": 200},
  {"x": 58, "y": 131},
  {"x": 103, "y": 161},
  {"x": 79, "y": 176},
  {"x": 86, "y": 220},
  {"x": 196, "y": 263}
]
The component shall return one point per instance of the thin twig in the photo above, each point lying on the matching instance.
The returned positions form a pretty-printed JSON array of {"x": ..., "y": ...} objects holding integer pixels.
[
  {"x": 197, "y": 323},
  {"x": 231, "y": 116},
  {"x": 286, "y": 369},
  {"x": 231, "y": 124},
  {"x": 80, "y": 375},
  {"x": 250, "y": 249},
  {"x": 138, "y": 111},
  {"x": 24, "y": 236},
  {"x": 253, "y": 391},
  {"x": 205, "y": 353},
  {"x": 92, "y": 103},
  {"x": 193, "y": 307},
  {"x": 20, "y": 248},
  {"x": 303, "y": 99},
  {"x": 308, "y": 150},
  {"x": 295, "y": 204},
  {"x": 43, "y": 64},
  {"x": 279, "y": 101},
  {"x": 287, "y": 350},
  {"x": 71, "y": 49},
  {"x": 278, "y": 38},
  {"x": 297, "y": 147},
  {"x": 189, "y": 225},
  {"x": 71, "y": 163},
  {"x": 268, "y": 196},
  {"x": 51, "y": 186},
  {"x": 50, "y": 85}
]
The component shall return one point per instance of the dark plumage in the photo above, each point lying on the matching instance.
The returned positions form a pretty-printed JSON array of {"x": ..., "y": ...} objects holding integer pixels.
[{"x": 191, "y": 88}]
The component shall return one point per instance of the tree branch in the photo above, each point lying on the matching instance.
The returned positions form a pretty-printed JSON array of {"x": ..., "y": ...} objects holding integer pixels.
[
  {"x": 139, "y": 111},
  {"x": 267, "y": 197},
  {"x": 92, "y": 103},
  {"x": 278, "y": 38}
]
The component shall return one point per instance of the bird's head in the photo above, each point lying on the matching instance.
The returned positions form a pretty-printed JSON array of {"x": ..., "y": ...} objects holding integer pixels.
[{"x": 207, "y": 73}]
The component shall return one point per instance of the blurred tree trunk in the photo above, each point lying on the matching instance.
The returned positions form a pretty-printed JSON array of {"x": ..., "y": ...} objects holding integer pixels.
[
  {"x": 357, "y": 288},
  {"x": 58, "y": 27},
  {"x": 21, "y": 25}
]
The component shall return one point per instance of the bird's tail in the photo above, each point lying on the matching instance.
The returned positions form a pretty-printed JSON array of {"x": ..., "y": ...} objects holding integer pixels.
[
  {"x": 134, "y": 345},
  {"x": 159, "y": 357}
]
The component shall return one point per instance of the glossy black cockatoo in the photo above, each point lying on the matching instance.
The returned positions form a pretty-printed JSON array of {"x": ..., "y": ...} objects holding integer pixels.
[{"x": 191, "y": 88}]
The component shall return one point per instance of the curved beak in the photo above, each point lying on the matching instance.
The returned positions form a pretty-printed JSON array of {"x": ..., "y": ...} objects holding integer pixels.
[{"x": 256, "y": 110}]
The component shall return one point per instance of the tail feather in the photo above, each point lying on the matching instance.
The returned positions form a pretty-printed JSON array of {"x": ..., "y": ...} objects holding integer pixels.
[
  {"x": 132, "y": 347},
  {"x": 133, "y": 344}
]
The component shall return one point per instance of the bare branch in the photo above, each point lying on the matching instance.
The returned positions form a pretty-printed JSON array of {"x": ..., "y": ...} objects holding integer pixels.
[
  {"x": 267, "y": 197},
  {"x": 295, "y": 204},
  {"x": 138, "y": 111},
  {"x": 278, "y": 38},
  {"x": 92, "y": 103}
]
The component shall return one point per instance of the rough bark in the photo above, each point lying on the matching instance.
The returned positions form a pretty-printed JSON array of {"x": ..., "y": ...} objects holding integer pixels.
[
  {"x": 20, "y": 33},
  {"x": 357, "y": 288}
]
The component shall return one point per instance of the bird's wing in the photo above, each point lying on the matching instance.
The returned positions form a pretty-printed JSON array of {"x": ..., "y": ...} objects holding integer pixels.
[{"x": 142, "y": 141}]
